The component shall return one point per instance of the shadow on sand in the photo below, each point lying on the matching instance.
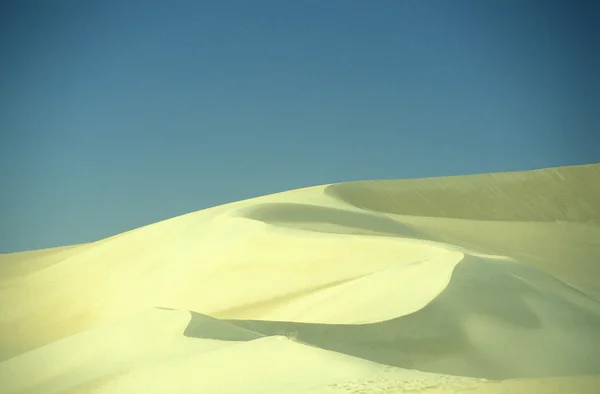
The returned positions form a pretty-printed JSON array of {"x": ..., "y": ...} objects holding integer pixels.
[
  {"x": 495, "y": 320},
  {"x": 328, "y": 220},
  {"x": 568, "y": 194}
]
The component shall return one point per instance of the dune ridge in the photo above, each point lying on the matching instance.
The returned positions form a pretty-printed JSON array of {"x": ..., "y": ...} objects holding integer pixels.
[{"x": 424, "y": 285}]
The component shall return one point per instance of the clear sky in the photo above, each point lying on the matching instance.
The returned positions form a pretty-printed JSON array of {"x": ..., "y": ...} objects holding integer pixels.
[{"x": 117, "y": 114}]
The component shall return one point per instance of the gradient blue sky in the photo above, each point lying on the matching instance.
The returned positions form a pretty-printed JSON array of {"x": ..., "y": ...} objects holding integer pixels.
[{"x": 117, "y": 114}]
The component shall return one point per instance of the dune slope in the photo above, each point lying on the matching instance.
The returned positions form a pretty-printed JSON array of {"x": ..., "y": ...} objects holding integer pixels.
[{"x": 427, "y": 284}]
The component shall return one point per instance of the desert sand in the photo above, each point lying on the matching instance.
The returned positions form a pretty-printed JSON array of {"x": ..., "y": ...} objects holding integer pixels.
[{"x": 480, "y": 283}]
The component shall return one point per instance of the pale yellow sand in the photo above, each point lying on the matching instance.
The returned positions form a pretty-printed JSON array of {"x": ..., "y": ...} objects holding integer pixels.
[{"x": 429, "y": 285}]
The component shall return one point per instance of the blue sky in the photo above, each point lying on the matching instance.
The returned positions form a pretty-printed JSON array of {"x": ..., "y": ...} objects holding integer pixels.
[{"x": 117, "y": 114}]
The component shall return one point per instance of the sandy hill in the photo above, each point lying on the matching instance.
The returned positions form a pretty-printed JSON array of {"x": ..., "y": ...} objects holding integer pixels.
[{"x": 485, "y": 283}]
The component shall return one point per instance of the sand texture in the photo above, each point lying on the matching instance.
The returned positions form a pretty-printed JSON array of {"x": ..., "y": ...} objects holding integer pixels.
[{"x": 477, "y": 284}]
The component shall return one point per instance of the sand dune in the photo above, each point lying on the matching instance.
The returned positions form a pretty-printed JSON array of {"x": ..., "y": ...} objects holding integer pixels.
[
  {"x": 495, "y": 320},
  {"x": 155, "y": 349},
  {"x": 482, "y": 283}
]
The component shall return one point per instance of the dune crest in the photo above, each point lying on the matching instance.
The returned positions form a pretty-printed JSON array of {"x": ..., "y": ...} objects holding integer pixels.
[{"x": 430, "y": 284}]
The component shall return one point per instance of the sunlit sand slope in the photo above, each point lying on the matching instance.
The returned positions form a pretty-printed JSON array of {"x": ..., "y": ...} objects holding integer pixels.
[{"x": 407, "y": 282}]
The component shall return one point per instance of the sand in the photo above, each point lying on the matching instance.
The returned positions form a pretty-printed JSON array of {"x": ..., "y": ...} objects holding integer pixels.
[{"x": 481, "y": 284}]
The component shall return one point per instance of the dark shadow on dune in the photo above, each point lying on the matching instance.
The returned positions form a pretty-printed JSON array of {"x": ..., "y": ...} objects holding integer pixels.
[
  {"x": 568, "y": 194},
  {"x": 206, "y": 327},
  {"x": 485, "y": 324},
  {"x": 329, "y": 220}
]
